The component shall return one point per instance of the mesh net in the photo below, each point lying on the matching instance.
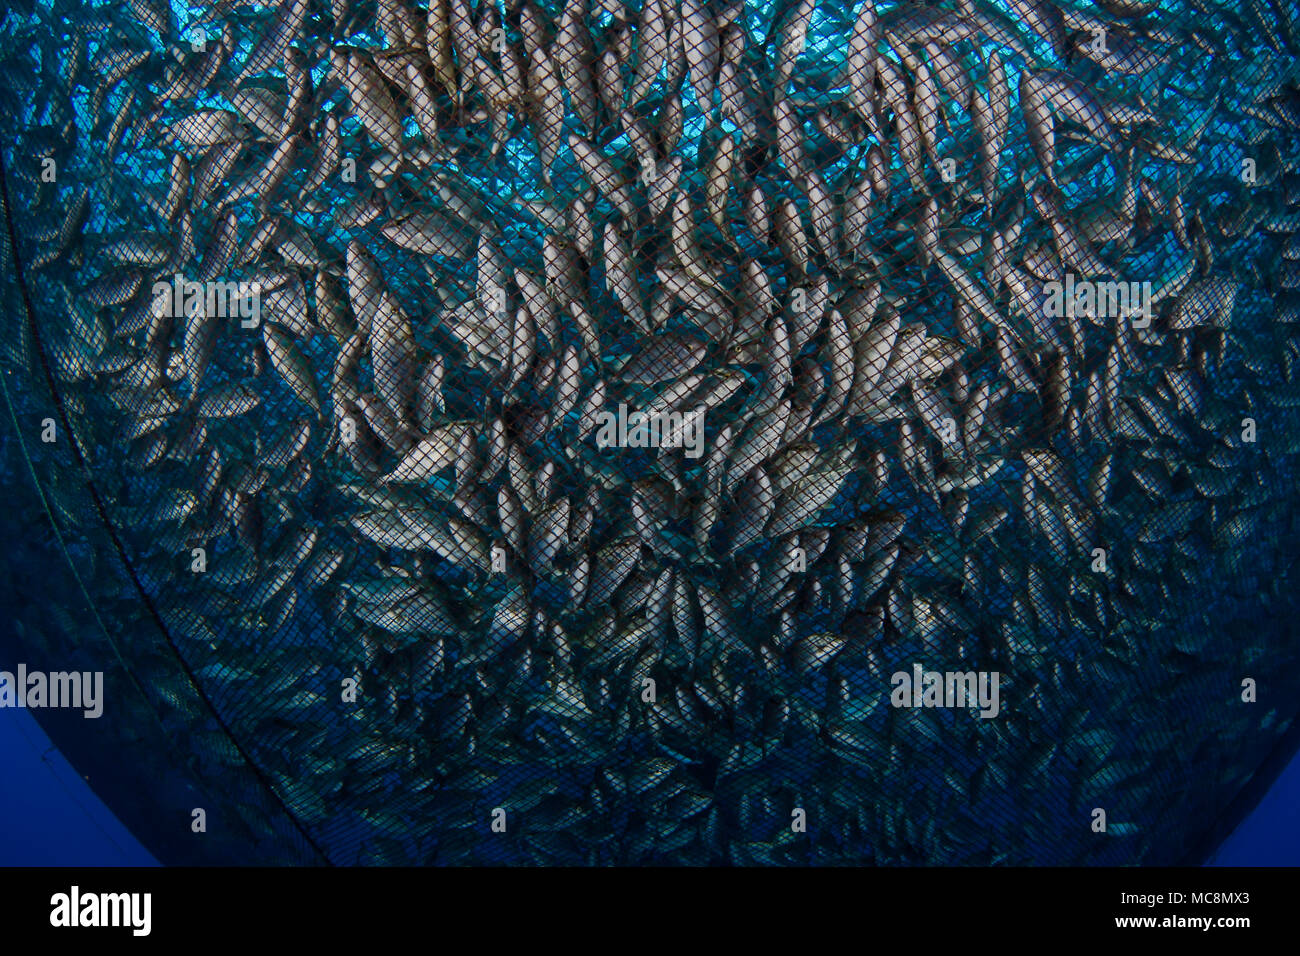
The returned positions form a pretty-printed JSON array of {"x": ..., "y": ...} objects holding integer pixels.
[{"x": 678, "y": 433}]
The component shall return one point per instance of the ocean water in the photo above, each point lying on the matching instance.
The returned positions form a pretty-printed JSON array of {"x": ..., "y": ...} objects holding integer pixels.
[
  {"x": 52, "y": 816},
  {"x": 363, "y": 586}
]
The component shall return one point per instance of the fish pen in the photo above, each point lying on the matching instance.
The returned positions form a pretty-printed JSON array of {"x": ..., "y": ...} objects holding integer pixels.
[{"x": 674, "y": 432}]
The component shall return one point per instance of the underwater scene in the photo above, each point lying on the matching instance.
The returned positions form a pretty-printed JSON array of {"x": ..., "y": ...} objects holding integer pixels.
[{"x": 662, "y": 432}]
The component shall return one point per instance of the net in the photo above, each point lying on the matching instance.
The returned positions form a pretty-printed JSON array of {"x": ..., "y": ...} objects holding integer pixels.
[{"x": 694, "y": 433}]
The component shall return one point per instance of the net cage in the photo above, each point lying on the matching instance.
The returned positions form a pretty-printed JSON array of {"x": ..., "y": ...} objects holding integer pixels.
[{"x": 479, "y": 432}]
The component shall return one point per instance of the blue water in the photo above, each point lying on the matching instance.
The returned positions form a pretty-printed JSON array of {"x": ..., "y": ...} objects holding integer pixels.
[
  {"x": 1270, "y": 836},
  {"x": 50, "y": 816}
]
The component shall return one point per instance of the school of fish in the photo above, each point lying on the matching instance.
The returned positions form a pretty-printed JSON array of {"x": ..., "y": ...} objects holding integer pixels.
[{"x": 447, "y": 236}]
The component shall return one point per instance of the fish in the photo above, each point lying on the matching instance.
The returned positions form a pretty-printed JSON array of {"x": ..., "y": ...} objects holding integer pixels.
[{"x": 625, "y": 396}]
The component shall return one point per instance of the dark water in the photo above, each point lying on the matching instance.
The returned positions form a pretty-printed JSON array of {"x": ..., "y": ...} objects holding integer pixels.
[{"x": 52, "y": 815}]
